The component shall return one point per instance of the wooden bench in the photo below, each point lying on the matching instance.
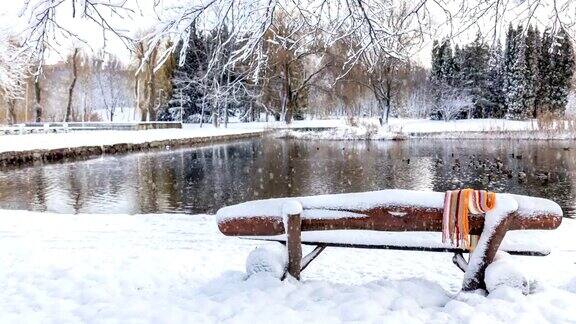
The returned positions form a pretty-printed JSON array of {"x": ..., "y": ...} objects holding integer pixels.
[{"x": 358, "y": 220}]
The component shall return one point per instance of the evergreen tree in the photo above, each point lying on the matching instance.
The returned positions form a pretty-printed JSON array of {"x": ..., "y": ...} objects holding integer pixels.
[
  {"x": 515, "y": 74},
  {"x": 448, "y": 68},
  {"x": 509, "y": 54},
  {"x": 545, "y": 69},
  {"x": 187, "y": 93},
  {"x": 457, "y": 77},
  {"x": 495, "y": 83},
  {"x": 436, "y": 62},
  {"x": 562, "y": 71},
  {"x": 473, "y": 61},
  {"x": 443, "y": 72},
  {"x": 532, "y": 77}
]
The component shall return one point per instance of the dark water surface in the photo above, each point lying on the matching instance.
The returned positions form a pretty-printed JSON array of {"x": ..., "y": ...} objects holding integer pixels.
[{"x": 201, "y": 180}]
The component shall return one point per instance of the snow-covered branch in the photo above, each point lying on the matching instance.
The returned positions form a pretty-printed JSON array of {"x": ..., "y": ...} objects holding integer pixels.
[{"x": 14, "y": 64}]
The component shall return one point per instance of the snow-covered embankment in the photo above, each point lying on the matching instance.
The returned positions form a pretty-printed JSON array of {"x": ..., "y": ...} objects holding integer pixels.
[{"x": 17, "y": 149}]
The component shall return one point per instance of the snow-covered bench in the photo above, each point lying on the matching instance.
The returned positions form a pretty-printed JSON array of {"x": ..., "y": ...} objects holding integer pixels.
[{"x": 374, "y": 220}]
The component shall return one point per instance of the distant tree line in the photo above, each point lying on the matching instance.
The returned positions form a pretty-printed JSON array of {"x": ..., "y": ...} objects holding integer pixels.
[
  {"x": 531, "y": 75},
  {"x": 199, "y": 82},
  {"x": 288, "y": 60},
  {"x": 293, "y": 79}
]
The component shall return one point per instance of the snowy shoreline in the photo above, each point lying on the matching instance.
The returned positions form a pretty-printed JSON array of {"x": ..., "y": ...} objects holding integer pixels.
[
  {"x": 405, "y": 129},
  {"x": 180, "y": 269},
  {"x": 20, "y": 149}
]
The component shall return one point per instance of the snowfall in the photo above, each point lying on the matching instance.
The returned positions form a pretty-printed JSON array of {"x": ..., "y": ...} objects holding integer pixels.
[
  {"x": 179, "y": 269},
  {"x": 172, "y": 268}
]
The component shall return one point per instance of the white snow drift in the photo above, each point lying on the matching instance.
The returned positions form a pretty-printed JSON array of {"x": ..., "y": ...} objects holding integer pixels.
[{"x": 180, "y": 269}]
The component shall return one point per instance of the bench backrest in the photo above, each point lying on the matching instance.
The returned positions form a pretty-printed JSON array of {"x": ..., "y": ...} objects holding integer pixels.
[{"x": 385, "y": 210}]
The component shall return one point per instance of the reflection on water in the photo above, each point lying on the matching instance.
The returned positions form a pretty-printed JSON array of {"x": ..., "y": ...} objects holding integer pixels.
[{"x": 204, "y": 179}]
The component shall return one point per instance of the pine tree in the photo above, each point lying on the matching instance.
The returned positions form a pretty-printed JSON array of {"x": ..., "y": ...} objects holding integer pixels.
[
  {"x": 187, "y": 93},
  {"x": 545, "y": 69},
  {"x": 515, "y": 75},
  {"x": 562, "y": 58},
  {"x": 457, "y": 77},
  {"x": 436, "y": 62},
  {"x": 444, "y": 73},
  {"x": 495, "y": 82},
  {"x": 473, "y": 61},
  {"x": 449, "y": 68},
  {"x": 532, "y": 77}
]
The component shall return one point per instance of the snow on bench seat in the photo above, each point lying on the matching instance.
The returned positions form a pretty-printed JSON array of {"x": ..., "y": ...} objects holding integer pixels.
[
  {"x": 339, "y": 205},
  {"x": 520, "y": 243},
  {"x": 385, "y": 210},
  {"x": 348, "y": 201}
]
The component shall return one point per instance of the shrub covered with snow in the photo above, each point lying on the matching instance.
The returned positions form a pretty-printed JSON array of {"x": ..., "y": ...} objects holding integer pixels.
[
  {"x": 271, "y": 260},
  {"x": 503, "y": 273}
]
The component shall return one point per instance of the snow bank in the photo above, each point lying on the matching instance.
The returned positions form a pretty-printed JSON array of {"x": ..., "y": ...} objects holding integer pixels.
[
  {"x": 400, "y": 128},
  {"x": 269, "y": 260},
  {"x": 28, "y": 142},
  {"x": 504, "y": 273},
  {"x": 179, "y": 269}
]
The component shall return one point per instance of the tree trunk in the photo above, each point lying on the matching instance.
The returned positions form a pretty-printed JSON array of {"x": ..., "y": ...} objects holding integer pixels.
[
  {"x": 12, "y": 110},
  {"x": 137, "y": 95},
  {"x": 382, "y": 107},
  {"x": 151, "y": 87},
  {"x": 37, "y": 94},
  {"x": 151, "y": 97},
  {"x": 291, "y": 107},
  {"x": 388, "y": 100},
  {"x": 288, "y": 96},
  {"x": 215, "y": 108},
  {"x": 202, "y": 111},
  {"x": 227, "y": 102},
  {"x": 71, "y": 88},
  {"x": 226, "y": 115}
]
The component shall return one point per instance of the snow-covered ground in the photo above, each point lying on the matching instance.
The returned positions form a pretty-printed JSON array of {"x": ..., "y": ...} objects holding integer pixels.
[
  {"x": 305, "y": 129},
  {"x": 108, "y": 137},
  {"x": 398, "y": 128},
  {"x": 180, "y": 269}
]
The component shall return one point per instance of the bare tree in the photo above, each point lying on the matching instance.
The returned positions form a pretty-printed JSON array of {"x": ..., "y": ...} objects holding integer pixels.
[
  {"x": 296, "y": 58},
  {"x": 151, "y": 85},
  {"x": 379, "y": 31},
  {"x": 45, "y": 30},
  {"x": 250, "y": 19},
  {"x": 14, "y": 64},
  {"x": 109, "y": 76},
  {"x": 72, "y": 59},
  {"x": 37, "y": 98}
]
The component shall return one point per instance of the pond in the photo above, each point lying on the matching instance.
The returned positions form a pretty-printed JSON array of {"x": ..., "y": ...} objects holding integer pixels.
[{"x": 201, "y": 180}]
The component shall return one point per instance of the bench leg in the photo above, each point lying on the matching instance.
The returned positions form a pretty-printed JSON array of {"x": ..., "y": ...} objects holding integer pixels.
[
  {"x": 484, "y": 254},
  {"x": 460, "y": 262},
  {"x": 294, "y": 245},
  {"x": 311, "y": 256}
]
